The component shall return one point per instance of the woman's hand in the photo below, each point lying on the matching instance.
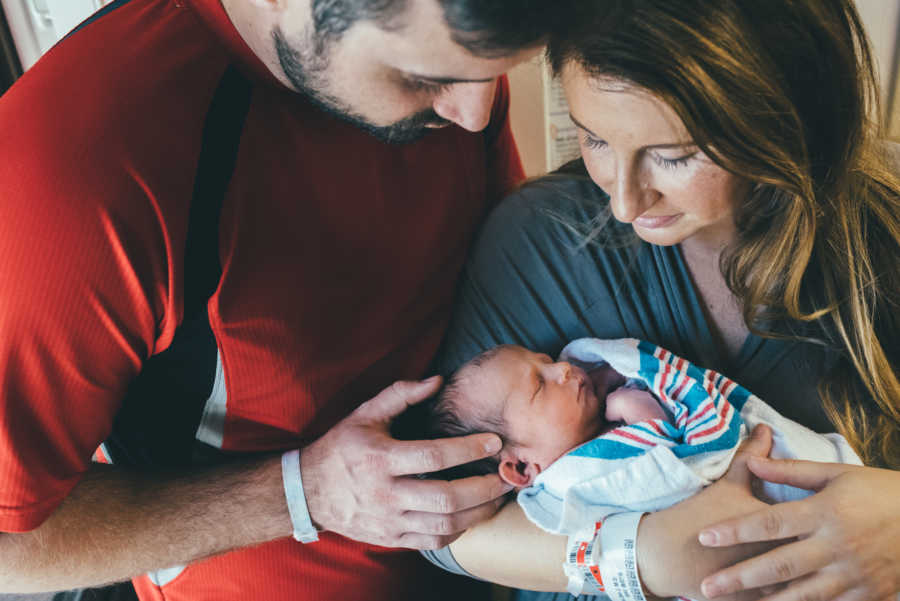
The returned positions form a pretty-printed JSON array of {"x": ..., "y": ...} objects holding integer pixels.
[
  {"x": 847, "y": 545},
  {"x": 671, "y": 561}
]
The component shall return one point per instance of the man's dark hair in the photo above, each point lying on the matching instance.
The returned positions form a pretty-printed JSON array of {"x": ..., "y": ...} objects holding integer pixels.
[{"x": 488, "y": 28}]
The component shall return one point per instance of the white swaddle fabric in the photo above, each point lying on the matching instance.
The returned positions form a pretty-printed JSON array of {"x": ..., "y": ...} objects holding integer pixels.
[{"x": 654, "y": 464}]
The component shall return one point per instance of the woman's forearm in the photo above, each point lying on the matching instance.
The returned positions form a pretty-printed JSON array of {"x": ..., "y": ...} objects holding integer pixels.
[
  {"x": 671, "y": 560},
  {"x": 510, "y": 550}
]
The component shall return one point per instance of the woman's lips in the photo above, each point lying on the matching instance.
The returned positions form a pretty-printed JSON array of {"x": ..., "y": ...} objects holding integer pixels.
[{"x": 653, "y": 222}]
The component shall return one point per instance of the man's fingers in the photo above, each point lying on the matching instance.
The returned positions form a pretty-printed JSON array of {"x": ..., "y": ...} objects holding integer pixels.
[
  {"x": 758, "y": 445},
  {"x": 408, "y": 457},
  {"x": 448, "y": 497},
  {"x": 809, "y": 475},
  {"x": 394, "y": 400},
  {"x": 433, "y": 531},
  {"x": 782, "y": 564},
  {"x": 421, "y": 522},
  {"x": 423, "y": 542},
  {"x": 775, "y": 522}
]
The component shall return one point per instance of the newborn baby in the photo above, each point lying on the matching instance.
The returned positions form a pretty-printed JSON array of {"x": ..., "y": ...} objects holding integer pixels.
[
  {"x": 541, "y": 408},
  {"x": 613, "y": 427}
]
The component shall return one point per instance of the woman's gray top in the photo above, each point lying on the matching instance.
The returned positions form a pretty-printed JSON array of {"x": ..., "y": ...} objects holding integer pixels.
[{"x": 532, "y": 281}]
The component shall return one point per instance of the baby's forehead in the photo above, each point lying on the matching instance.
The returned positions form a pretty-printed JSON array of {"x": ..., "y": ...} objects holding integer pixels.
[
  {"x": 491, "y": 374},
  {"x": 501, "y": 358}
]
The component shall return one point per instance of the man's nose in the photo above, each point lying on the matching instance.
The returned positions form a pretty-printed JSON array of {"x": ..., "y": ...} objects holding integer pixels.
[
  {"x": 632, "y": 194},
  {"x": 467, "y": 104}
]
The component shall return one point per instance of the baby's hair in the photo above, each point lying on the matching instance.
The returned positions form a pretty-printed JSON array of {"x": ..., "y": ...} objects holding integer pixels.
[{"x": 447, "y": 418}]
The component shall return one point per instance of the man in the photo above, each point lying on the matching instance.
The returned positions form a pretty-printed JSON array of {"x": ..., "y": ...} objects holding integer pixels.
[{"x": 340, "y": 144}]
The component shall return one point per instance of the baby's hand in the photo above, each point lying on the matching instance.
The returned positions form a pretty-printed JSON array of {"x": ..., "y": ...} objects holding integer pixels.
[{"x": 632, "y": 405}]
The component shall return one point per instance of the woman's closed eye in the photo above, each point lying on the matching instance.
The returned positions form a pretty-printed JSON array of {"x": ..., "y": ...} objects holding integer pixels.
[
  {"x": 593, "y": 143},
  {"x": 673, "y": 163}
]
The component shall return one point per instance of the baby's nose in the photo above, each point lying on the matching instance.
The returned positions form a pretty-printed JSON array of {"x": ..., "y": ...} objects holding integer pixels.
[{"x": 564, "y": 371}]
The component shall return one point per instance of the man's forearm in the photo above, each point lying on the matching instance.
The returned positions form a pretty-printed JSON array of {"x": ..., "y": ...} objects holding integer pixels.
[{"x": 116, "y": 524}]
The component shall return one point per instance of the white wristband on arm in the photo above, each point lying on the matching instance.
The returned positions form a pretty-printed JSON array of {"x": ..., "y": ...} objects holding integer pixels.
[
  {"x": 604, "y": 561},
  {"x": 304, "y": 531}
]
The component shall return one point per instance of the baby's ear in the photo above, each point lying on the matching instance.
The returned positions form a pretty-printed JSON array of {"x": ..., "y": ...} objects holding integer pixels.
[{"x": 515, "y": 469}]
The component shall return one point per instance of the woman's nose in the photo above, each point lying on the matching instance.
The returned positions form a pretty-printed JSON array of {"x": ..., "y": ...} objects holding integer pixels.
[{"x": 632, "y": 194}]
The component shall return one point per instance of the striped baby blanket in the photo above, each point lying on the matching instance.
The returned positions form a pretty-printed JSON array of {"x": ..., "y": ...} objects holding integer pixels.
[{"x": 651, "y": 465}]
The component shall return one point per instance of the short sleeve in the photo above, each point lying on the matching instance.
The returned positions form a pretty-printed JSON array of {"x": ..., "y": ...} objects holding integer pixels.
[{"x": 85, "y": 271}]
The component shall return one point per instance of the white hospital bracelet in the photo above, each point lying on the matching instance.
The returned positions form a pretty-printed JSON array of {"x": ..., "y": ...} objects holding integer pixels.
[
  {"x": 618, "y": 557},
  {"x": 304, "y": 531},
  {"x": 580, "y": 567}
]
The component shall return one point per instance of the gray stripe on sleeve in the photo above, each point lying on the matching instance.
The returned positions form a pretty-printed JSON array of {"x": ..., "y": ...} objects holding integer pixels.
[{"x": 443, "y": 558}]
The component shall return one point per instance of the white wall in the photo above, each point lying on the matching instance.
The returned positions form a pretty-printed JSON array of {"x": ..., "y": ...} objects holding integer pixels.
[
  {"x": 880, "y": 18},
  {"x": 37, "y": 24}
]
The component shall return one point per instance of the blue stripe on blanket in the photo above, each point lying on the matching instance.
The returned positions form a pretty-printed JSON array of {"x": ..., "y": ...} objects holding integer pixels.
[
  {"x": 601, "y": 448},
  {"x": 709, "y": 421}
]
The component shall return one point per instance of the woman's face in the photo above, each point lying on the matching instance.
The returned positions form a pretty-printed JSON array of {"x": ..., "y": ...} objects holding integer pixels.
[{"x": 637, "y": 149}]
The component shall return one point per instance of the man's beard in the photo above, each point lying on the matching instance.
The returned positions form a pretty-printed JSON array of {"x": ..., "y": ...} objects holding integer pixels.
[{"x": 306, "y": 68}]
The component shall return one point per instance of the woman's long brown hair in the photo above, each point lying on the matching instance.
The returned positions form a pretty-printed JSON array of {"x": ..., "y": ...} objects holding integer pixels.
[{"x": 783, "y": 93}]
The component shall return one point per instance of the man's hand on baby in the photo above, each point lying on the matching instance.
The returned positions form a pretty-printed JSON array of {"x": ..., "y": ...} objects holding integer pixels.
[{"x": 360, "y": 482}]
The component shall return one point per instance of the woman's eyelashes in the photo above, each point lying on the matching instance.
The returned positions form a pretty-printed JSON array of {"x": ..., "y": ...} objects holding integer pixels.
[
  {"x": 672, "y": 163},
  {"x": 593, "y": 143}
]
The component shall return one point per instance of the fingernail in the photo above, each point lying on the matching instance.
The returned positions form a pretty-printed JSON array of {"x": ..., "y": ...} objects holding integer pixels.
[
  {"x": 430, "y": 380},
  {"x": 493, "y": 445},
  {"x": 708, "y": 538}
]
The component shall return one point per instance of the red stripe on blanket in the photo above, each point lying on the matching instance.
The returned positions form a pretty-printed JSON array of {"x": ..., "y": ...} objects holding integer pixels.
[
  {"x": 654, "y": 425},
  {"x": 676, "y": 394},
  {"x": 720, "y": 425},
  {"x": 707, "y": 407},
  {"x": 626, "y": 434}
]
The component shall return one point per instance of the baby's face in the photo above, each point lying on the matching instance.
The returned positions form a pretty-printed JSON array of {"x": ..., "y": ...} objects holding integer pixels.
[{"x": 549, "y": 407}]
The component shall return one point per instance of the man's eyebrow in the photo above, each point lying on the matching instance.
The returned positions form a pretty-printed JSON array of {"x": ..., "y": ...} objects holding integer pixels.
[
  {"x": 447, "y": 80},
  {"x": 673, "y": 145}
]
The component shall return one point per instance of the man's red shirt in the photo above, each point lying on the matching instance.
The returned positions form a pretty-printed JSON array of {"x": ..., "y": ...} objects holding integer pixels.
[{"x": 340, "y": 258}]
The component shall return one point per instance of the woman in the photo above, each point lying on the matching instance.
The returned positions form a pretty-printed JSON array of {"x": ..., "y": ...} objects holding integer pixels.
[{"x": 731, "y": 142}]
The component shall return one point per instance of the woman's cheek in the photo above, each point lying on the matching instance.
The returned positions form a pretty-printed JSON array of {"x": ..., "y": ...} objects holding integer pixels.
[{"x": 600, "y": 164}]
